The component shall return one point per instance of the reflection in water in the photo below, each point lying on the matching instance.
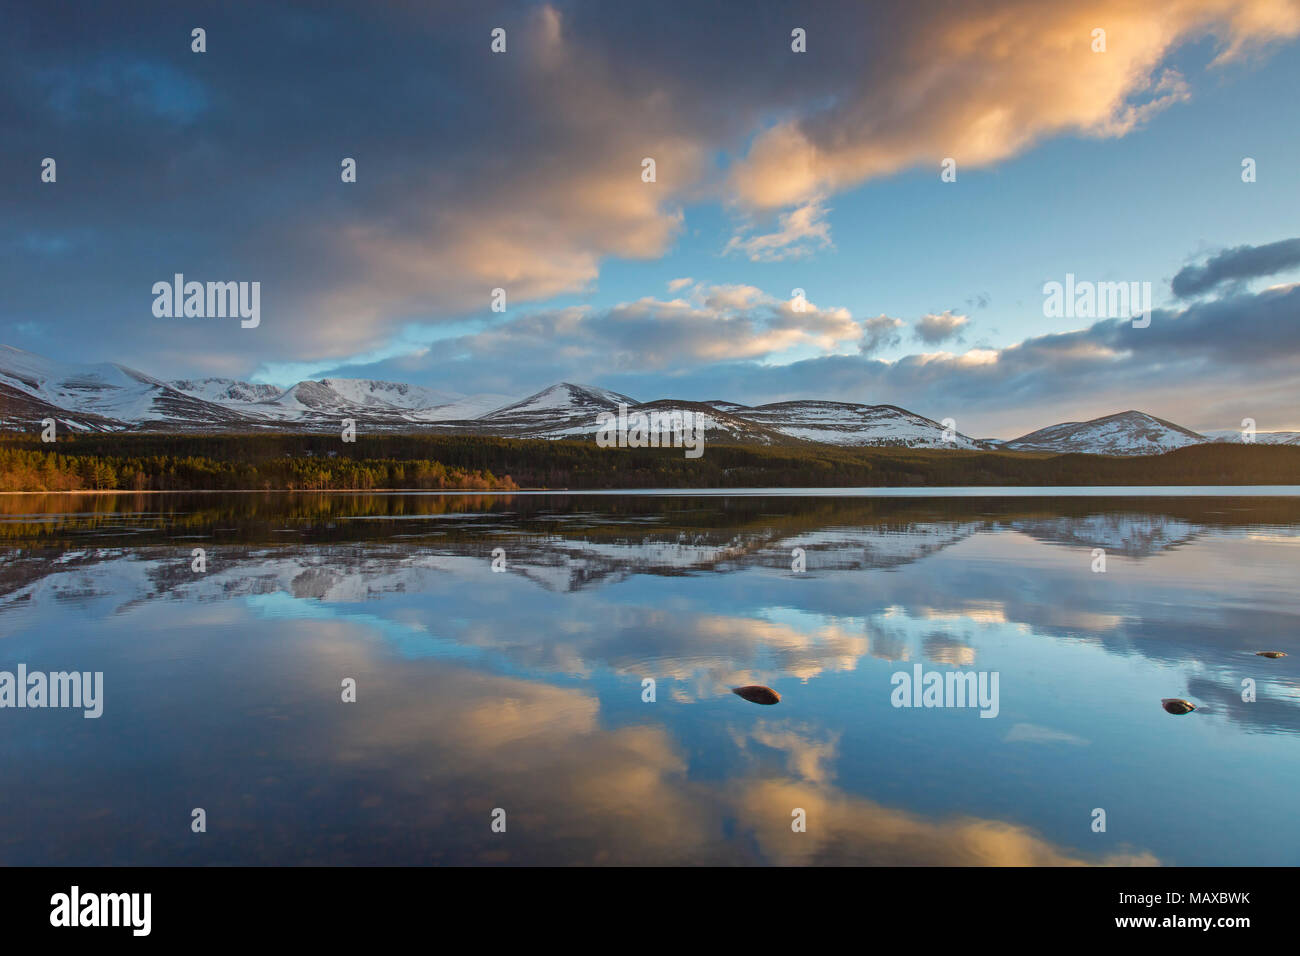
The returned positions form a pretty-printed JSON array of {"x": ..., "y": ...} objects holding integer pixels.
[{"x": 526, "y": 690}]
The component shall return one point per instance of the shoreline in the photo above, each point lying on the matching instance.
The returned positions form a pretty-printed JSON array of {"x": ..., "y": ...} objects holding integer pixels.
[{"x": 938, "y": 491}]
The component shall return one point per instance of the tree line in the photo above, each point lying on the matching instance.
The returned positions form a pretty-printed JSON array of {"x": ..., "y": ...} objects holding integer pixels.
[
  {"x": 24, "y": 469},
  {"x": 161, "y": 462}
]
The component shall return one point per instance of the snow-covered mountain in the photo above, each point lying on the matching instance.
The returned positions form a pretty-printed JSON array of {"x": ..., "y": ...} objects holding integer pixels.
[
  {"x": 719, "y": 424},
  {"x": 1125, "y": 433},
  {"x": 573, "y": 411},
  {"x": 331, "y": 399},
  {"x": 306, "y": 399},
  {"x": 227, "y": 391},
  {"x": 365, "y": 391},
  {"x": 1261, "y": 438},
  {"x": 848, "y": 423},
  {"x": 561, "y": 411},
  {"x": 110, "y": 397},
  {"x": 98, "y": 397}
]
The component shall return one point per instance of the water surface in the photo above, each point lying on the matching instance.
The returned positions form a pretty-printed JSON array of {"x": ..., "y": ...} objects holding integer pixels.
[{"x": 522, "y": 689}]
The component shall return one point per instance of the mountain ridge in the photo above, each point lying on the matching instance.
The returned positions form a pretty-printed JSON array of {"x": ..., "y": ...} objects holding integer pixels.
[{"x": 112, "y": 397}]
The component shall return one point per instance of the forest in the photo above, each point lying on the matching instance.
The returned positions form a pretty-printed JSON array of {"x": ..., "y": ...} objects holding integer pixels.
[{"x": 298, "y": 462}]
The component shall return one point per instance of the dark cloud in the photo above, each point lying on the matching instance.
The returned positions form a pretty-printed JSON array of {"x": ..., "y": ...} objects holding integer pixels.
[
  {"x": 880, "y": 333},
  {"x": 1237, "y": 264}
]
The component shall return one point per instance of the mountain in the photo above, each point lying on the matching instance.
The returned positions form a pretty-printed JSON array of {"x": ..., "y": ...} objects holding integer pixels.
[
  {"x": 573, "y": 411},
  {"x": 111, "y": 397},
  {"x": 101, "y": 397},
  {"x": 226, "y": 391},
  {"x": 331, "y": 399},
  {"x": 561, "y": 411},
  {"x": 389, "y": 405},
  {"x": 364, "y": 391},
  {"x": 720, "y": 425},
  {"x": 20, "y": 410},
  {"x": 1261, "y": 438},
  {"x": 306, "y": 400},
  {"x": 1125, "y": 433},
  {"x": 850, "y": 424}
]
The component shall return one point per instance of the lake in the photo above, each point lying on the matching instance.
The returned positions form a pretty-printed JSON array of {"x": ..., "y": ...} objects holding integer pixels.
[{"x": 547, "y": 678}]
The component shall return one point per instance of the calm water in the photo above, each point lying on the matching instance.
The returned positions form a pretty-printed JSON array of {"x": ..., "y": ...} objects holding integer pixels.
[{"x": 523, "y": 689}]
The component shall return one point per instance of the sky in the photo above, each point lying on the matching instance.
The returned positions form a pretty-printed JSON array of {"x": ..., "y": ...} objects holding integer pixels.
[{"x": 800, "y": 238}]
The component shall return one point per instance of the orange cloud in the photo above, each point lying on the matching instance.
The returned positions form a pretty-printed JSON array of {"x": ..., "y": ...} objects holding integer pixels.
[{"x": 980, "y": 82}]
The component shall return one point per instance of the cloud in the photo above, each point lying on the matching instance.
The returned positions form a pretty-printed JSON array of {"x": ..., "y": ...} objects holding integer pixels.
[
  {"x": 935, "y": 328},
  {"x": 809, "y": 755},
  {"x": 855, "y": 830},
  {"x": 984, "y": 81},
  {"x": 1204, "y": 366},
  {"x": 1034, "y": 734},
  {"x": 520, "y": 171},
  {"x": 715, "y": 323},
  {"x": 981, "y": 82},
  {"x": 880, "y": 333},
  {"x": 800, "y": 231},
  {"x": 1236, "y": 264}
]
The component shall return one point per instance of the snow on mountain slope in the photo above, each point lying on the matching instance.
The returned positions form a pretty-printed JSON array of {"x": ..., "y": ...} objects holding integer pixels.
[
  {"x": 226, "y": 391},
  {"x": 850, "y": 424},
  {"x": 27, "y": 370},
  {"x": 564, "y": 410},
  {"x": 306, "y": 397},
  {"x": 20, "y": 411},
  {"x": 573, "y": 411},
  {"x": 110, "y": 396},
  {"x": 69, "y": 385},
  {"x": 718, "y": 425},
  {"x": 334, "y": 398},
  {"x": 364, "y": 391},
  {"x": 565, "y": 398},
  {"x": 1125, "y": 433},
  {"x": 106, "y": 391},
  {"x": 469, "y": 407},
  {"x": 1261, "y": 438}
]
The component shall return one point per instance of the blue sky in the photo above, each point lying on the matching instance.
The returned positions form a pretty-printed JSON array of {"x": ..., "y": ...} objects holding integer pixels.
[{"x": 776, "y": 171}]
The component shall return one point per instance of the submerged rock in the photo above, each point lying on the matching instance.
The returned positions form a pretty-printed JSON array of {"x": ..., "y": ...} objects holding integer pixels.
[
  {"x": 1176, "y": 705},
  {"x": 757, "y": 694},
  {"x": 1272, "y": 654}
]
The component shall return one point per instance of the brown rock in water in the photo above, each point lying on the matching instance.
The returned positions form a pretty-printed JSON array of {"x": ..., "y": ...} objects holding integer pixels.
[
  {"x": 1176, "y": 705},
  {"x": 757, "y": 694},
  {"x": 1273, "y": 654}
]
